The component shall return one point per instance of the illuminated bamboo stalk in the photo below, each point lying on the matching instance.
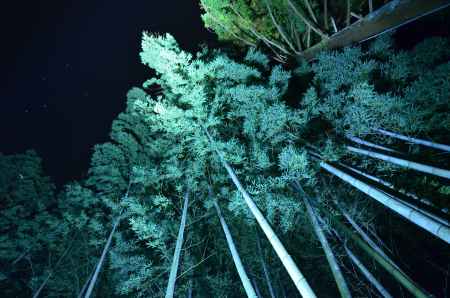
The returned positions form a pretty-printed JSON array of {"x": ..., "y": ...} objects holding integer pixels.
[
  {"x": 408, "y": 194},
  {"x": 368, "y": 144},
  {"x": 403, "y": 162},
  {"x": 249, "y": 290},
  {"x": 396, "y": 273},
  {"x": 335, "y": 269},
  {"x": 422, "y": 220},
  {"x": 297, "y": 277},
  {"x": 176, "y": 256},
  {"x": 414, "y": 140}
]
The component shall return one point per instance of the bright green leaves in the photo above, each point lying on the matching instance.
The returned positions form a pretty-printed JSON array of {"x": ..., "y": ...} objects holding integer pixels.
[{"x": 294, "y": 164}]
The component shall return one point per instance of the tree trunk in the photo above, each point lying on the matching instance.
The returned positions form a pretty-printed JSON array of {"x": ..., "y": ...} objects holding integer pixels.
[
  {"x": 417, "y": 217},
  {"x": 335, "y": 269},
  {"x": 176, "y": 256},
  {"x": 249, "y": 290},
  {"x": 414, "y": 140},
  {"x": 297, "y": 277},
  {"x": 403, "y": 162},
  {"x": 265, "y": 269},
  {"x": 373, "y": 281},
  {"x": 401, "y": 277}
]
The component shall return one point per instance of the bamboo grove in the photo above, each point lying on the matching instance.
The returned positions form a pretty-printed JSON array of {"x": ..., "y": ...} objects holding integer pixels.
[{"x": 226, "y": 177}]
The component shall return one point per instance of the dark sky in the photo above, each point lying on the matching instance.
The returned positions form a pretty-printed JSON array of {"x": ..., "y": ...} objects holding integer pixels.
[{"x": 67, "y": 65}]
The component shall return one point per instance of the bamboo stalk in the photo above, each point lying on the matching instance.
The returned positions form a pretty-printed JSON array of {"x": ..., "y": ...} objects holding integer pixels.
[
  {"x": 414, "y": 140},
  {"x": 279, "y": 29},
  {"x": 373, "y": 281},
  {"x": 297, "y": 277},
  {"x": 265, "y": 269},
  {"x": 399, "y": 275},
  {"x": 306, "y": 21},
  {"x": 335, "y": 269},
  {"x": 403, "y": 162},
  {"x": 368, "y": 144},
  {"x": 422, "y": 220},
  {"x": 52, "y": 271},
  {"x": 249, "y": 290},
  {"x": 176, "y": 256}
]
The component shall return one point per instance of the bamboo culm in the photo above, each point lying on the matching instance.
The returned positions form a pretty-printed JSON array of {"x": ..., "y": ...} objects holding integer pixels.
[
  {"x": 176, "y": 256},
  {"x": 399, "y": 275},
  {"x": 403, "y": 162},
  {"x": 422, "y": 220},
  {"x": 297, "y": 277},
  {"x": 373, "y": 281},
  {"x": 335, "y": 269},
  {"x": 249, "y": 290},
  {"x": 265, "y": 269},
  {"x": 414, "y": 140}
]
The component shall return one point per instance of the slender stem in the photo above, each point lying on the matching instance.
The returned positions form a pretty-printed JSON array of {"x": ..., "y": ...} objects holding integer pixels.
[
  {"x": 402, "y": 278},
  {"x": 373, "y": 281},
  {"x": 332, "y": 262},
  {"x": 279, "y": 29},
  {"x": 52, "y": 271},
  {"x": 249, "y": 290},
  {"x": 368, "y": 144},
  {"x": 306, "y": 21},
  {"x": 403, "y": 162},
  {"x": 265, "y": 269},
  {"x": 414, "y": 140},
  {"x": 176, "y": 256},
  {"x": 295, "y": 274},
  {"x": 429, "y": 224}
]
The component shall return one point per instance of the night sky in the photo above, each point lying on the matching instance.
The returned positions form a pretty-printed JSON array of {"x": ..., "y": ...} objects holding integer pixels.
[{"x": 67, "y": 66}]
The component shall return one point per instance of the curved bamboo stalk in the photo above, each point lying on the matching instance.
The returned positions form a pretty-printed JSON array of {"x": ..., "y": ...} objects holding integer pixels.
[
  {"x": 306, "y": 21},
  {"x": 422, "y": 220},
  {"x": 297, "y": 277},
  {"x": 279, "y": 29},
  {"x": 176, "y": 256},
  {"x": 414, "y": 140},
  {"x": 249, "y": 290},
  {"x": 335, "y": 269},
  {"x": 247, "y": 42},
  {"x": 401, "y": 277},
  {"x": 403, "y": 162},
  {"x": 310, "y": 11},
  {"x": 259, "y": 35},
  {"x": 373, "y": 281}
]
